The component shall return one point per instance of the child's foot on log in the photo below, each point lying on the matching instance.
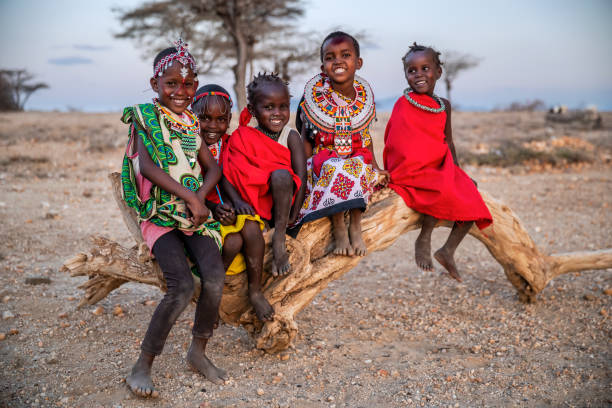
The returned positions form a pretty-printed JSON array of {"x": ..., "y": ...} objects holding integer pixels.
[
  {"x": 447, "y": 260},
  {"x": 280, "y": 261},
  {"x": 422, "y": 253},
  {"x": 139, "y": 381},
  {"x": 359, "y": 247},
  {"x": 263, "y": 308},
  {"x": 199, "y": 362},
  {"x": 342, "y": 242}
]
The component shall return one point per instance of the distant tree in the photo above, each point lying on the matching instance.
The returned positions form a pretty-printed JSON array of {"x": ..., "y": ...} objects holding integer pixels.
[
  {"x": 454, "y": 63},
  {"x": 16, "y": 87},
  {"x": 217, "y": 30}
]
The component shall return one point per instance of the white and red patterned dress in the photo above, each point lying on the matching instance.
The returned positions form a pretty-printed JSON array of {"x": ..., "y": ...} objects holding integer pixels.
[{"x": 340, "y": 175}]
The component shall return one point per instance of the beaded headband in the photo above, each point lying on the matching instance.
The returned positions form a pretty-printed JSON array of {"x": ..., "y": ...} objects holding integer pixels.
[
  {"x": 182, "y": 55},
  {"x": 212, "y": 93}
]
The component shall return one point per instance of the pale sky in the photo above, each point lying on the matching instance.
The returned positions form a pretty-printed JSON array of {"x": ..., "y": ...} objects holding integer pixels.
[{"x": 559, "y": 51}]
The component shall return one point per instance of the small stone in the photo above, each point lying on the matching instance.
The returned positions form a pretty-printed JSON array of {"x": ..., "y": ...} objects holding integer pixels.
[
  {"x": 98, "y": 311},
  {"x": 367, "y": 361},
  {"x": 7, "y": 314},
  {"x": 63, "y": 315},
  {"x": 608, "y": 291},
  {"x": 37, "y": 280},
  {"x": 2, "y": 336},
  {"x": 589, "y": 297},
  {"x": 284, "y": 357},
  {"x": 383, "y": 373},
  {"x": 260, "y": 391},
  {"x": 63, "y": 325},
  {"x": 395, "y": 373},
  {"x": 603, "y": 312},
  {"x": 475, "y": 349},
  {"x": 118, "y": 311},
  {"x": 13, "y": 331},
  {"x": 204, "y": 404},
  {"x": 330, "y": 398},
  {"x": 150, "y": 303},
  {"x": 6, "y": 299}
]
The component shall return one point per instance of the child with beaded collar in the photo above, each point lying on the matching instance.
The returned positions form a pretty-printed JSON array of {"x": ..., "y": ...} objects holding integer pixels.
[
  {"x": 240, "y": 232},
  {"x": 266, "y": 165},
  {"x": 162, "y": 181},
  {"x": 420, "y": 155},
  {"x": 334, "y": 118}
]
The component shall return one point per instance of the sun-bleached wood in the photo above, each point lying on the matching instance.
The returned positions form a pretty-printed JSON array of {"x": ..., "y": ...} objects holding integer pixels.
[{"x": 108, "y": 265}]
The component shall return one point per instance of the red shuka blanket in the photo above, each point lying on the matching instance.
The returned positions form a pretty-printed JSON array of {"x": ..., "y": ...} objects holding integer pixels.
[
  {"x": 249, "y": 160},
  {"x": 422, "y": 169}
]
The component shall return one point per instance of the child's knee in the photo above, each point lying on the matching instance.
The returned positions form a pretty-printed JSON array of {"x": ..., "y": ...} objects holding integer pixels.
[
  {"x": 182, "y": 291},
  {"x": 232, "y": 243},
  {"x": 281, "y": 179},
  {"x": 251, "y": 229}
]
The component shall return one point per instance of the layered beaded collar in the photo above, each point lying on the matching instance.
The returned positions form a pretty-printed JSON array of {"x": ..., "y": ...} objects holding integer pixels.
[
  {"x": 272, "y": 135},
  {"x": 321, "y": 108}
]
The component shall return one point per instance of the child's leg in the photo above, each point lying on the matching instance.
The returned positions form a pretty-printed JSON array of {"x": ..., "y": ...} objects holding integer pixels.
[
  {"x": 341, "y": 238},
  {"x": 281, "y": 185},
  {"x": 212, "y": 275},
  {"x": 446, "y": 254},
  {"x": 231, "y": 247},
  {"x": 168, "y": 251},
  {"x": 355, "y": 233},
  {"x": 253, "y": 250},
  {"x": 422, "y": 245}
]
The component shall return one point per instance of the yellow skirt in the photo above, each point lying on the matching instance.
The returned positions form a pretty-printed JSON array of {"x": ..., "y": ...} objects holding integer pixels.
[{"x": 238, "y": 265}]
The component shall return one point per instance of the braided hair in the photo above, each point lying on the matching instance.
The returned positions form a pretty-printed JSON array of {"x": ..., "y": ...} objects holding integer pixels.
[
  {"x": 340, "y": 34},
  {"x": 259, "y": 82},
  {"x": 206, "y": 94},
  {"x": 417, "y": 47}
]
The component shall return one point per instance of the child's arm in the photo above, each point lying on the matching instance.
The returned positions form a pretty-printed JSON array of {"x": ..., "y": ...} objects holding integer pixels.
[
  {"x": 211, "y": 170},
  {"x": 240, "y": 206},
  {"x": 448, "y": 136},
  {"x": 298, "y": 164},
  {"x": 448, "y": 132},
  {"x": 307, "y": 143},
  {"x": 224, "y": 213},
  {"x": 199, "y": 212},
  {"x": 383, "y": 175}
]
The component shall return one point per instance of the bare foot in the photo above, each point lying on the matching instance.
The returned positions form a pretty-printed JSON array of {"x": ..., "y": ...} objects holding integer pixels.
[
  {"x": 359, "y": 247},
  {"x": 199, "y": 362},
  {"x": 280, "y": 263},
  {"x": 448, "y": 262},
  {"x": 139, "y": 381},
  {"x": 263, "y": 308},
  {"x": 422, "y": 253}
]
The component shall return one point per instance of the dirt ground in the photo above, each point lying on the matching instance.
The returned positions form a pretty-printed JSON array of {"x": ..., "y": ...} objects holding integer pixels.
[{"x": 385, "y": 335}]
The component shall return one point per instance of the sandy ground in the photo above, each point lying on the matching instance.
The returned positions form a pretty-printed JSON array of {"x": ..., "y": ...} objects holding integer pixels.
[{"x": 385, "y": 335}]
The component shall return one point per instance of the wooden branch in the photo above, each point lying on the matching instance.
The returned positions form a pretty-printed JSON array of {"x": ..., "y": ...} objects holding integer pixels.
[{"x": 313, "y": 265}]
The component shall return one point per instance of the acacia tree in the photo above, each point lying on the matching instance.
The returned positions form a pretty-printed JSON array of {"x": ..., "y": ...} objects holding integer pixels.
[
  {"x": 454, "y": 63},
  {"x": 16, "y": 87},
  {"x": 218, "y": 30}
]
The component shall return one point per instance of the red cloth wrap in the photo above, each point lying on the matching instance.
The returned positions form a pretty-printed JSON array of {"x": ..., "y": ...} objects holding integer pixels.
[
  {"x": 327, "y": 140},
  {"x": 248, "y": 161},
  {"x": 422, "y": 169}
]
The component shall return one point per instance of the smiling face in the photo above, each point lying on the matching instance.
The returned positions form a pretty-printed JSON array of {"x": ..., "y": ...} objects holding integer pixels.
[
  {"x": 214, "y": 118},
  {"x": 176, "y": 90},
  {"x": 422, "y": 72},
  {"x": 271, "y": 106},
  {"x": 340, "y": 60}
]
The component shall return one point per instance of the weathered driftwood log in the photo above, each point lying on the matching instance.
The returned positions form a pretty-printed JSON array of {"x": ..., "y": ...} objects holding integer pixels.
[{"x": 109, "y": 265}]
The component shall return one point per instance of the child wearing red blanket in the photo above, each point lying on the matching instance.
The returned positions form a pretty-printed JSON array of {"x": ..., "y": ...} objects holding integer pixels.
[
  {"x": 266, "y": 165},
  {"x": 420, "y": 155}
]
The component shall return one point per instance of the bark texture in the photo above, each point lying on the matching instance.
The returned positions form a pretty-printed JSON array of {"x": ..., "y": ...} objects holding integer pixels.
[{"x": 108, "y": 265}]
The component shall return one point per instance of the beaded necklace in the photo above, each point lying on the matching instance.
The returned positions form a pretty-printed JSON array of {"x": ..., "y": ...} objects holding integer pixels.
[
  {"x": 425, "y": 108},
  {"x": 272, "y": 135},
  {"x": 188, "y": 131}
]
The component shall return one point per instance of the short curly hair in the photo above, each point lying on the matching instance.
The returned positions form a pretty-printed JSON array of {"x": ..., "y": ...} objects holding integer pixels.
[
  {"x": 340, "y": 34},
  {"x": 418, "y": 47},
  {"x": 259, "y": 81}
]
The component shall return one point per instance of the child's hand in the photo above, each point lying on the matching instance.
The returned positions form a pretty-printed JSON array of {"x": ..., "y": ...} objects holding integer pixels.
[
  {"x": 225, "y": 214},
  {"x": 199, "y": 212},
  {"x": 383, "y": 177},
  {"x": 243, "y": 208}
]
